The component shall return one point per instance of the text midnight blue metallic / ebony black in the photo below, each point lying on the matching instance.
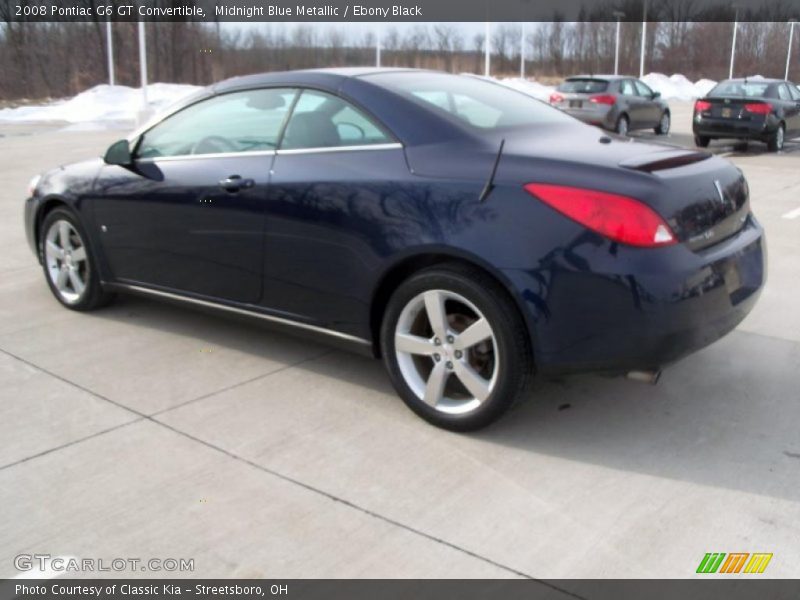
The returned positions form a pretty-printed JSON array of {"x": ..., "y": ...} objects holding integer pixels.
[{"x": 466, "y": 233}]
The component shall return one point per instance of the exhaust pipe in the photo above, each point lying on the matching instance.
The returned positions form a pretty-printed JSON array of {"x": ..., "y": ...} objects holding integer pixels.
[{"x": 650, "y": 377}]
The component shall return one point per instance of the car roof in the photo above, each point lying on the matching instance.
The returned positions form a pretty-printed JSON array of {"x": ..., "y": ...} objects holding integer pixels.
[
  {"x": 754, "y": 80},
  {"x": 331, "y": 78},
  {"x": 601, "y": 77}
]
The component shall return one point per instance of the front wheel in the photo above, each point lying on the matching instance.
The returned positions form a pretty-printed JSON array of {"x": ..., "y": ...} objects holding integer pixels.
[
  {"x": 701, "y": 141},
  {"x": 663, "y": 124},
  {"x": 69, "y": 264},
  {"x": 455, "y": 347}
]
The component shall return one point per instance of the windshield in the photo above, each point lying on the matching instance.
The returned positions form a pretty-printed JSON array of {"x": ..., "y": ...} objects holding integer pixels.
[
  {"x": 470, "y": 101},
  {"x": 583, "y": 86},
  {"x": 749, "y": 89}
]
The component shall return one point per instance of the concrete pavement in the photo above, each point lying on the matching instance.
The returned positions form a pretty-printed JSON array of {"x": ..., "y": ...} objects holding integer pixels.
[{"x": 147, "y": 430}]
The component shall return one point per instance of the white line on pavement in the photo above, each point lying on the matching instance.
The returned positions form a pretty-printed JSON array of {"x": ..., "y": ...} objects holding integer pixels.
[{"x": 792, "y": 214}]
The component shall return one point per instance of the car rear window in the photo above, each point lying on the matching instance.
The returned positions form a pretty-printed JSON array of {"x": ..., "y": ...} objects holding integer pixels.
[
  {"x": 583, "y": 86},
  {"x": 471, "y": 101},
  {"x": 748, "y": 89}
]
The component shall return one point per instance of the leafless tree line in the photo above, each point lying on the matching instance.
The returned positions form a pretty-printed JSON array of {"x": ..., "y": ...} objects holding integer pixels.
[{"x": 39, "y": 60}]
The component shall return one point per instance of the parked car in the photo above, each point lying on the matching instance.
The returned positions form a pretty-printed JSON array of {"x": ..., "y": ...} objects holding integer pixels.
[
  {"x": 765, "y": 110},
  {"x": 464, "y": 232},
  {"x": 613, "y": 102}
]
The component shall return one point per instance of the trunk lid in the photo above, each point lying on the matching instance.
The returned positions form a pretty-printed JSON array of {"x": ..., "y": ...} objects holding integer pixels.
[
  {"x": 732, "y": 109},
  {"x": 704, "y": 198}
]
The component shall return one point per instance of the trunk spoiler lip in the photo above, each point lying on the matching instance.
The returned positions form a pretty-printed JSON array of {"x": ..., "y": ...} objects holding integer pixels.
[{"x": 668, "y": 159}]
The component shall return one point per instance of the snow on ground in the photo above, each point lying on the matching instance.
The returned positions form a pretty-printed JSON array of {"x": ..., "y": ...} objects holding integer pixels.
[
  {"x": 102, "y": 103},
  {"x": 678, "y": 87},
  {"x": 530, "y": 87}
]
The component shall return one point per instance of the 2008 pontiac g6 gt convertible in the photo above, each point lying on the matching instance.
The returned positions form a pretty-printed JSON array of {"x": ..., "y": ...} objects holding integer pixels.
[{"x": 468, "y": 234}]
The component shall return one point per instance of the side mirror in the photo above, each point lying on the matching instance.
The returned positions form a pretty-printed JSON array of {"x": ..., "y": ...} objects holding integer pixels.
[
  {"x": 119, "y": 153},
  {"x": 656, "y": 95}
]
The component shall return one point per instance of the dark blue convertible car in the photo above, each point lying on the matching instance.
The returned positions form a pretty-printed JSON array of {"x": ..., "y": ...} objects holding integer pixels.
[{"x": 469, "y": 235}]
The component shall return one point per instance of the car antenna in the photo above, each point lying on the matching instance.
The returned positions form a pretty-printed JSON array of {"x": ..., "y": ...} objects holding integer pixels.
[{"x": 487, "y": 189}]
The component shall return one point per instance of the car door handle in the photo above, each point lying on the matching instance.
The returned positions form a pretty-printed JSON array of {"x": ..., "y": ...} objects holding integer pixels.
[{"x": 234, "y": 183}]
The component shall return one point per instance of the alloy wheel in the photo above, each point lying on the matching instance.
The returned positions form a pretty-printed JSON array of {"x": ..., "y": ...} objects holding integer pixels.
[
  {"x": 447, "y": 351},
  {"x": 66, "y": 261}
]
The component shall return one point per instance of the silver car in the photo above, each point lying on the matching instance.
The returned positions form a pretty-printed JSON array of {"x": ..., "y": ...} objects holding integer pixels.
[{"x": 614, "y": 102}]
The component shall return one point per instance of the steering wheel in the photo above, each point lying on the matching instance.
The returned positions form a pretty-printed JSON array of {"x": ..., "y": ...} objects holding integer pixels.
[
  {"x": 361, "y": 133},
  {"x": 212, "y": 144}
]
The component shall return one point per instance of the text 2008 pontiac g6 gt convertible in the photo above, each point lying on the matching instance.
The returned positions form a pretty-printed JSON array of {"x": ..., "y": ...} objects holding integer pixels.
[{"x": 468, "y": 234}]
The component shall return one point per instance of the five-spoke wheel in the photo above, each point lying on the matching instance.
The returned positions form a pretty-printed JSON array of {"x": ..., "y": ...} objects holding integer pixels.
[
  {"x": 455, "y": 346},
  {"x": 67, "y": 262},
  {"x": 65, "y": 257},
  {"x": 446, "y": 351}
]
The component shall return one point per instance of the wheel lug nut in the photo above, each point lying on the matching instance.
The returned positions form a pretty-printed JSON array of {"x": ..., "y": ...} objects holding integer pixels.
[
  {"x": 437, "y": 342},
  {"x": 437, "y": 358},
  {"x": 458, "y": 354},
  {"x": 449, "y": 365},
  {"x": 449, "y": 339}
]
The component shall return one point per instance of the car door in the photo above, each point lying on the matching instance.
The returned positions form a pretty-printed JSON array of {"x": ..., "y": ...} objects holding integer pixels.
[
  {"x": 651, "y": 109},
  {"x": 188, "y": 214},
  {"x": 792, "y": 109},
  {"x": 335, "y": 176},
  {"x": 632, "y": 103}
]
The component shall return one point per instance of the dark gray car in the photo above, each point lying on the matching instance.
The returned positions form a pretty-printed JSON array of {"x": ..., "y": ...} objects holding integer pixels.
[{"x": 614, "y": 102}]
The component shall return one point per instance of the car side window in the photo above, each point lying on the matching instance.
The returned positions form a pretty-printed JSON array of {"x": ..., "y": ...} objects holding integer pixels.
[
  {"x": 247, "y": 121},
  {"x": 783, "y": 92},
  {"x": 794, "y": 91},
  {"x": 322, "y": 120},
  {"x": 643, "y": 89},
  {"x": 626, "y": 87}
]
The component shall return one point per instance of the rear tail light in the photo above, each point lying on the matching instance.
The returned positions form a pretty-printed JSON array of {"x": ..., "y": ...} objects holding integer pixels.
[
  {"x": 758, "y": 108},
  {"x": 555, "y": 97},
  {"x": 603, "y": 99},
  {"x": 622, "y": 219},
  {"x": 702, "y": 106}
]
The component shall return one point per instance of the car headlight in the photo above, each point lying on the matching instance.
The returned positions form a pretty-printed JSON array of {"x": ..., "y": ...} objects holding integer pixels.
[{"x": 32, "y": 185}]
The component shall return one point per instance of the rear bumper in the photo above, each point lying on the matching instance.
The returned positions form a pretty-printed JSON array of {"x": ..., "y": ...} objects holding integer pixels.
[
  {"x": 597, "y": 114},
  {"x": 656, "y": 307},
  {"x": 727, "y": 128}
]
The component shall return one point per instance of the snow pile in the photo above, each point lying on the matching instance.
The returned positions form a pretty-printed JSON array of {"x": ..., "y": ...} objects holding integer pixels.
[
  {"x": 678, "y": 87},
  {"x": 703, "y": 86},
  {"x": 102, "y": 103},
  {"x": 530, "y": 87}
]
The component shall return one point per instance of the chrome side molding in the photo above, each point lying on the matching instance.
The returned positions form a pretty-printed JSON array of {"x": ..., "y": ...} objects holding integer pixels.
[{"x": 145, "y": 291}]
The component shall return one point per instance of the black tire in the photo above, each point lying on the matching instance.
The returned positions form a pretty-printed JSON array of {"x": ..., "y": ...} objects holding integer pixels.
[
  {"x": 701, "y": 141},
  {"x": 93, "y": 296},
  {"x": 776, "y": 140},
  {"x": 623, "y": 125},
  {"x": 664, "y": 124},
  {"x": 514, "y": 363}
]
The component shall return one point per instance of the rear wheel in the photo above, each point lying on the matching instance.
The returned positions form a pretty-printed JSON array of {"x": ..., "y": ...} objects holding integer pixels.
[
  {"x": 663, "y": 124},
  {"x": 623, "y": 125},
  {"x": 775, "y": 142},
  {"x": 701, "y": 141},
  {"x": 455, "y": 347},
  {"x": 69, "y": 264}
]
